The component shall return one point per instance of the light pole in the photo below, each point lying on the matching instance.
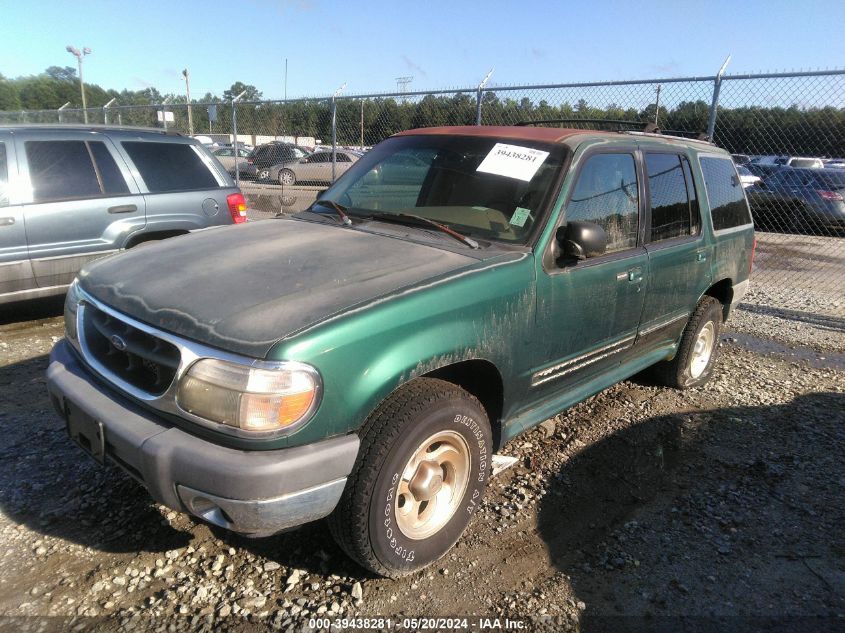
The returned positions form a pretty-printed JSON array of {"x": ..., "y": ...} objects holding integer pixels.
[
  {"x": 79, "y": 55},
  {"x": 186, "y": 75}
]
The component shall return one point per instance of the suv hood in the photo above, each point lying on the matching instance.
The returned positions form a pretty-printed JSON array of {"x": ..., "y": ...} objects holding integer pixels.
[{"x": 243, "y": 288}]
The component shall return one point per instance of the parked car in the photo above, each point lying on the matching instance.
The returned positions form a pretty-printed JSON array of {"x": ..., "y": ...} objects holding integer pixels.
[
  {"x": 226, "y": 156},
  {"x": 746, "y": 177},
  {"x": 799, "y": 162},
  {"x": 265, "y": 156},
  {"x": 763, "y": 170},
  {"x": 834, "y": 163},
  {"x": 741, "y": 159},
  {"x": 406, "y": 333},
  {"x": 800, "y": 200},
  {"x": 314, "y": 168},
  {"x": 71, "y": 194}
]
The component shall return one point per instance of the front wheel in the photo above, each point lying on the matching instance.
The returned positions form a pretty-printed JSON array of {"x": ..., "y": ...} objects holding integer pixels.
[{"x": 421, "y": 472}]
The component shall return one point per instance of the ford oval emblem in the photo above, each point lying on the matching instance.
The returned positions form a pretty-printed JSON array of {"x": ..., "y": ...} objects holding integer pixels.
[{"x": 118, "y": 343}]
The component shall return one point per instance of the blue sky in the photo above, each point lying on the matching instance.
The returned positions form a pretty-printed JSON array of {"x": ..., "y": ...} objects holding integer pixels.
[{"x": 443, "y": 44}]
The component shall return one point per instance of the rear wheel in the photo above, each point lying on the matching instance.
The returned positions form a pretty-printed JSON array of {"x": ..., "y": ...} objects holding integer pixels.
[
  {"x": 693, "y": 364},
  {"x": 421, "y": 472},
  {"x": 287, "y": 177}
]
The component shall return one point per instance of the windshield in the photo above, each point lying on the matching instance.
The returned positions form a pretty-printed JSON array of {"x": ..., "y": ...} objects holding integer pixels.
[{"x": 490, "y": 188}]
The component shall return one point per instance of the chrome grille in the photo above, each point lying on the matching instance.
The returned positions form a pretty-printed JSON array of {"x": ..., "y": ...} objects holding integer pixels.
[{"x": 140, "y": 359}]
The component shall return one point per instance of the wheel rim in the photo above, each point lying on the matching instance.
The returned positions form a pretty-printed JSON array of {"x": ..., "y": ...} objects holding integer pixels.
[
  {"x": 702, "y": 349},
  {"x": 286, "y": 177},
  {"x": 263, "y": 174},
  {"x": 433, "y": 483}
]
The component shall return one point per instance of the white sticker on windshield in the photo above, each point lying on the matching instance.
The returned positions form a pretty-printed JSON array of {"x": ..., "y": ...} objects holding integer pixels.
[{"x": 513, "y": 161}]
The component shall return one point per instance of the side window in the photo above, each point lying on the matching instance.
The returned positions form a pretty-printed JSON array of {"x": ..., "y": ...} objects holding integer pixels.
[
  {"x": 111, "y": 179},
  {"x": 606, "y": 193},
  {"x": 4, "y": 177},
  {"x": 320, "y": 157},
  {"x": 61, "y": 170},
  {"x": 728, "y": 207},
  {"x": 170, "y": 166},
  {"x": 343, "y": 158},
  {"x": 670, "y": 213}
]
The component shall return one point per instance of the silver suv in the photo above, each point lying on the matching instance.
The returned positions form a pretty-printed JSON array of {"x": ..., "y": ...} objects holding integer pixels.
[{"x": 71, "y": 194}]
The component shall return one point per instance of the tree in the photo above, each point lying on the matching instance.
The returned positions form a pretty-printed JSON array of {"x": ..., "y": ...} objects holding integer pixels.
[
  {"x": 252, "y": 93},
  {"x": 58, "y": 73}
]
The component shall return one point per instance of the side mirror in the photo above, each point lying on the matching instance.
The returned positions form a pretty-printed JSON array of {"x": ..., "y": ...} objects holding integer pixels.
[
  {"x": 581, "y": 240},
  {"x": 321, "y": 193}
]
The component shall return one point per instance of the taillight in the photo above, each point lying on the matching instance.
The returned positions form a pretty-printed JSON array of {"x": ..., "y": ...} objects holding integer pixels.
[
  {"x": 237, "y": 207},
  {"x": 753, "y": 251},
  {"x": 831, "y": 195}
]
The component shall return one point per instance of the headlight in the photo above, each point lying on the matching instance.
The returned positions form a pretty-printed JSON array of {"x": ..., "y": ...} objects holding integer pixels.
[
  {"x": 266, "y": 397},
  {"x": 71, "y": 306}
]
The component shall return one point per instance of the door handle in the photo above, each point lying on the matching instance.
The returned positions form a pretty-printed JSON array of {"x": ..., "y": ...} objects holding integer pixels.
[
  {"x": 635, "y": 275},
  {"x": 7, "y": 221},
  {"x": 701, "y": 256},
  {"x": 123, "y": 208}
]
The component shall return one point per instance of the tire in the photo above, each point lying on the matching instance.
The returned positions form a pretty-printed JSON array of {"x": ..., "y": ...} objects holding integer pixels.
[
  {"x": 287, "y": 177},
  {"x": 262, "y": 174},
  {"x": 697, "y": 352},
  {"x": 379, "y": 522}
]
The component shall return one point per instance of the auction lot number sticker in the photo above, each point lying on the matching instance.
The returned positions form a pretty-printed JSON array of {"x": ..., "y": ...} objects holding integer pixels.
[{"x": 513, "y": 161}]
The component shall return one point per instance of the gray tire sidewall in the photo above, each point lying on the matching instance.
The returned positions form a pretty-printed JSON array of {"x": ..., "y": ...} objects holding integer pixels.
[
  {"x": 714, "y": 315},
  {"x": 393, "y": 549}
]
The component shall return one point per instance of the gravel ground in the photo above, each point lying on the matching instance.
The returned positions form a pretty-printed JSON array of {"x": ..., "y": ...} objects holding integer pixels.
[{"x": 645, "y": 504}]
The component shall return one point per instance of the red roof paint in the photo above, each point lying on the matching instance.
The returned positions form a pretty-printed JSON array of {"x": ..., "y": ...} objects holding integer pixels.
[{"x": 527, "y": 133}]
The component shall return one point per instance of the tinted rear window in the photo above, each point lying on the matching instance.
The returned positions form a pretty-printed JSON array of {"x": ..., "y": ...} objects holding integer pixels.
[
  {"x": 170, "y": 166},
  {"x": 832, "y": 179},
  {"x": 113, "y": 182},
  {"x": 728, "y": 207},
  {"x": 61, "y": 170}
]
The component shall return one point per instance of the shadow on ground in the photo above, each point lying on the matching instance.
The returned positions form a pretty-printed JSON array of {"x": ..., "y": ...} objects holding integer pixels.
[{"x": 727, "y": 512}]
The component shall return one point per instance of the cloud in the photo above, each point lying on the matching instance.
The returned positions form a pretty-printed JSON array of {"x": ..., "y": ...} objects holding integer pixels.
[
  {"x": 539, "y": 53},
  {"x": 141, "y": 83},
  {"x": 414, "y": 66}
]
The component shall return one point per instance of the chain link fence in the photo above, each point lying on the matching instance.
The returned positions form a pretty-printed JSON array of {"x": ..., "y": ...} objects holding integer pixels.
[{"x": 786, "y": 130}]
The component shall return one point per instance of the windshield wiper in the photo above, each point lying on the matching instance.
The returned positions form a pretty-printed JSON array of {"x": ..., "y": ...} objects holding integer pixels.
[
  {"x": 419, "y": 219},
  {"x": 339, "y": 209}
]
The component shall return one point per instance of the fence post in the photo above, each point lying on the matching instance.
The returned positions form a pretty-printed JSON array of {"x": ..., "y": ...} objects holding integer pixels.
[
  {"x": 478, "y": 97},
  {"x": 714, "y": 105},
  {"x": 334, "y": 129},
  {"x": 235, "y": 137}
]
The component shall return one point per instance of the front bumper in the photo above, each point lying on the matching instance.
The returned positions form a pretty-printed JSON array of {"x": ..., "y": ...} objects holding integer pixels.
[{"x": 251, "y": 492}]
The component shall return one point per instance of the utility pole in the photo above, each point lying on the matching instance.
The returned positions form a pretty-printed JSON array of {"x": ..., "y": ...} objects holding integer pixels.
[
  {"x": 402, "y": 85},
  {"x": 79, "y": 55},
  {"x": 657, "y": 105},
  {"x": 188, "y": 92}
]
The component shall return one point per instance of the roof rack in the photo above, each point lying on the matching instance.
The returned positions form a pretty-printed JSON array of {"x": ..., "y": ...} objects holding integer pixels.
[
  {"x": 646, "y": 128},
  {"x": 639, "y": 125}
]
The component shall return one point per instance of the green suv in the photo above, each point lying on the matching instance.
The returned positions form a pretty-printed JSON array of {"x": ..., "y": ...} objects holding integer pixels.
[{"x": 364, "y": 359}]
